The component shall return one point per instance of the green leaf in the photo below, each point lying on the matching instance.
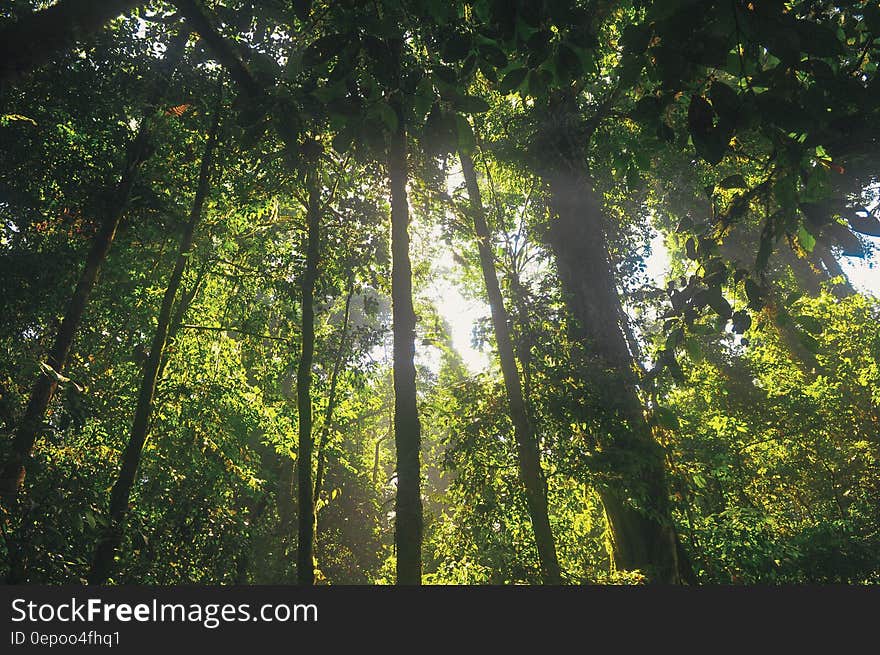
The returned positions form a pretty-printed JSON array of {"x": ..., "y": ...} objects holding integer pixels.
[
  {"x": 446, "y": 75},
  {"x": 470, "y": 104},
  {"x": 456, "y": 47},
  {"x": 469, "y": 65},
  {"x": 5, "y": 119},
  {"x": 302, "y": 9},
  {"x": 809, "y": 342},
  {"x": 785, "y": 192},
  {"x": 388, "y": 117},
  {"x": 694, "y": 349},
  {"x": 674, "y": 338},
  {"x": 513, "y": 80},
  {"x": 343, "y": 140},
  {"x": 324, "y": 48},
  {"x": 871, "y": 14},
  {"x": 718, "y": 303},
  {"x": 810, "y": 324},
  {"x": 819, "y": 40},
  {"x": 635, "y": 38},
  {"x": 765, "y": 249},
  {"x": 843, "y": 237},
  {"x": 807, "y": 240},
  {"x": 423, "y": 98},
  {"x": 711, "y": 142},
  {"x": 647, "y": 109},
  {"x": 441, "y": 133},
  {"x": 725, "y": 101},
  {"x": 630, "y": 70},
  {"x": 493, "y": 55},
  {"x": 538, "y": 83},
  {"x": 539, "y": 47},
  {"x": 666, "y": 418},
  {"x": 568, "y": 63},
  {"x": 733, "y": 182},
  {"x": 742, "y": 321}
]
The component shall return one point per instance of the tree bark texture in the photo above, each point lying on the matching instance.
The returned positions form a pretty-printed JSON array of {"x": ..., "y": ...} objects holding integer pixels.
[
  {"x": 305, "y": 560},
  {"x": 530, "y": 472},
  {"x": 407, "y": 430}
]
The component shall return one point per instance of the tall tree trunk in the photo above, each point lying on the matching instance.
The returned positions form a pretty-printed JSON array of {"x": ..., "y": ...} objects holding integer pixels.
[
  {"x": 102, "y": 563},
  {"x": 530, "y": 472},
  {"x": 32, "y": 40},
  {"x": 407, "y": 430},
  {"x": 305, "y": 560},
  {"x": 13, "y": 472},
  {"x": 331, "y": 398},
  {"x": 324, "y": 435},
  {"x": 643, "y": 537}
]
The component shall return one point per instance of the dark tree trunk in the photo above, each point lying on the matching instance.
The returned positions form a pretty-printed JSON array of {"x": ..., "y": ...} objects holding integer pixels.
[
  {"x": 102, "y": 563},
  {"x": 407, "y": 430},
  {"x": 530, "y": 472},
  {"x": 305, "y": 560},
  {"x": 643, "y": 537},
  {"x": 13, "y": 473},
  {"x": 32, "y": 40}
]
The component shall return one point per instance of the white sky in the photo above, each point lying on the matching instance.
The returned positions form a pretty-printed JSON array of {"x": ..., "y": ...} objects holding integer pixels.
[
  {"x": 864, "y": 274},
  {"x": 462, "y": 313}
]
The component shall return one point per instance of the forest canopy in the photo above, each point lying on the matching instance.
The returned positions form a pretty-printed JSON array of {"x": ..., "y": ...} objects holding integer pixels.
[{"x": 237, "y": 238}]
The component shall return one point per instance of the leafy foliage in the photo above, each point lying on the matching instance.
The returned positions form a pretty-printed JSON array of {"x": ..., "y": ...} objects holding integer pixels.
[{"x": 745, "y": 132}]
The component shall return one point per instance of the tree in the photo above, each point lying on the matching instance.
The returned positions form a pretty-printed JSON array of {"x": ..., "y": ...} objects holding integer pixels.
[
  {"x": 59, "y": 26},
  {"x": 265, "y": 331},
  {"x": 531, "y": 471},
  {"x": 13, "y": 471},
  {"x": 407, "y": 431},
  {"x": 120, "y": 495},
  {"x": 305, "y": 486}
]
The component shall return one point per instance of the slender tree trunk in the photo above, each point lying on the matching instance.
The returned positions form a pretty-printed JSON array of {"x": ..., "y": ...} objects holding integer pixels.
[
  {"x": 530, "y": 472},
  {"x": 643, "y": 536},
  {"x": 407, "y": 430},
  {"x": 13, "y": 472},
  {"x": 324, "y": 435},
  {"x": 523, "y": 348},
  {"x": 32, "y": 40},
  {"x": 102, "y": 563},
  {"x": 180, "y": 311},
  {"x": 305, "y": 559},
  {"x": 331, "y": 400}
]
